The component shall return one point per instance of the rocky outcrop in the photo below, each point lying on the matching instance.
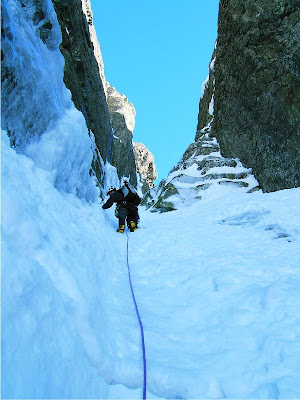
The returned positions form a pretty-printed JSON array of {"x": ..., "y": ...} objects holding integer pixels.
[
  {"x": 201, "y": 168},
  {"x": 248, "y": 121},
  {"x": 257, "y": 96},
  {"x": 145, "y": 166},
  {"x": 122, "y": 115}
]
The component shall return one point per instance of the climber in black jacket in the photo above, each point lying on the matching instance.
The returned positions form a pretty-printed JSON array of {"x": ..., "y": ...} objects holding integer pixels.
[{"x": 127, "y": 201}]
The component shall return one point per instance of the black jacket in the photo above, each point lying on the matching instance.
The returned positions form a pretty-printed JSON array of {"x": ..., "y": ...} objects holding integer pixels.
[{"x": 116, "y": 197}]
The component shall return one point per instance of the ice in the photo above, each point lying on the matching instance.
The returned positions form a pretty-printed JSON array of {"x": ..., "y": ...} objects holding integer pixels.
[
  {"x": 37, "y": 110},
  {"x": 33, "y": 93},
  {"x": 66, "y": 150}
]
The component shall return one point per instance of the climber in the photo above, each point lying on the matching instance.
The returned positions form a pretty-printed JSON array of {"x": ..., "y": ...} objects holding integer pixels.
[{"x": 127, "y": 201}]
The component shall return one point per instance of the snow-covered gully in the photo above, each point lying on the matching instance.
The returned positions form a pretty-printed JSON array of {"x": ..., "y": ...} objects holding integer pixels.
[{"x": 216, "y": 283}]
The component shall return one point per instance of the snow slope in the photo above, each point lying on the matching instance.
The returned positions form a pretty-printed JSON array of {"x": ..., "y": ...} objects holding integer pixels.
[{"x": 217, "y": 285}]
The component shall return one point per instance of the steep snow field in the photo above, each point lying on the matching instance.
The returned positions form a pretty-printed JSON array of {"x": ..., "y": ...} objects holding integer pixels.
[{"x": 217, "y": 285}]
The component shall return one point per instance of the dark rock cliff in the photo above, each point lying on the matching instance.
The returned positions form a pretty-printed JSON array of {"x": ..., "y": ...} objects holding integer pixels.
[
  {"x": 82, "y": 76},
  {"x": 257, "y": 88}
]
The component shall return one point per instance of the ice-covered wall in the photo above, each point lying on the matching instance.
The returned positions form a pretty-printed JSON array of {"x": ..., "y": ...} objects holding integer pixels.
[
  {"x": 34, "y": 97},
  {"x": 37, "y": 110}
]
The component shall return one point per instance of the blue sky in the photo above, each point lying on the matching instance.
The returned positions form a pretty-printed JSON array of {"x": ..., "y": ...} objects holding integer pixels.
[{"x": 157, "y": 53}]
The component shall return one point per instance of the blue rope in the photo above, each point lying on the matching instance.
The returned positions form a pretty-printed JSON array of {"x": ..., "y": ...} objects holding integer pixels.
[{"x": 141, "y": 325}]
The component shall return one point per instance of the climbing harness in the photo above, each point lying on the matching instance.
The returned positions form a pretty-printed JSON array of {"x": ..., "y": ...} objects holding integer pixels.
[{"x": 140, "y": 323}]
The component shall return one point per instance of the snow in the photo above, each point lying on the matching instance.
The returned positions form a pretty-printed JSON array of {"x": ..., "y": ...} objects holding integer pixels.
[
  {"x": 211, "y": 105},
  {"x": 212, "y": 64},
  {"x": 204, "y": 86},
  {"x": 206, "y": 83},
  {"x": 224, "y": 291},
  {"x": 217, "y": 285}
]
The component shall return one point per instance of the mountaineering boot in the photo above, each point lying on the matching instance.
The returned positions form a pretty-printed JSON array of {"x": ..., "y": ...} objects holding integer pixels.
[
  {"x": 132, "y": 226},
  {"x": 121, "y": 229}
]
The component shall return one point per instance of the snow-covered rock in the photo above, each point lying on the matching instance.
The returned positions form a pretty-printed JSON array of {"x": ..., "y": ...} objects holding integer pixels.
[
  {"x": 145, "y": 165},
  {"x": 122, "y": 114},
  {"x": 201, "y": 168},
  {"x": 118, "y": 103}
]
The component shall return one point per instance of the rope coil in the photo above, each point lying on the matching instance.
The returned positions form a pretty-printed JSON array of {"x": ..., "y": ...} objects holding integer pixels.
[{"x": 140, "y": 323}]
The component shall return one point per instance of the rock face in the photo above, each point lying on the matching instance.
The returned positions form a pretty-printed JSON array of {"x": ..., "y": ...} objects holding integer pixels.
[
  {"x": 257, "y": 96},
  {"x": 82, "y": 76},
  {"x": 249, "y": 111},
  {"x": 87, "y": 9},
  {"x": 122, "y": 115},
  {"x": 145, "y": 166},
  {"x": 202, "y": 166},
  {"x": 109, "y": 114}
]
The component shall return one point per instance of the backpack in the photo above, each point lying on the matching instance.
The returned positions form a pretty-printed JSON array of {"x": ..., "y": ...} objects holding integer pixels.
[{"x": 132, "y": 197}]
